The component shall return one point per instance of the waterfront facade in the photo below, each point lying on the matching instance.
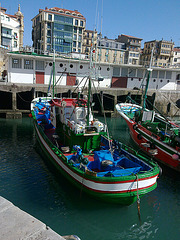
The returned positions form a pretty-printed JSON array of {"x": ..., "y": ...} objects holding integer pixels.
[
  {"x": 59, "y": 29},
  {"x": 11, "y": 30},
  {"x": 162, "y": 53},
  {"x": 36, "y": 69},
  {"x": 133, "y": 48}
]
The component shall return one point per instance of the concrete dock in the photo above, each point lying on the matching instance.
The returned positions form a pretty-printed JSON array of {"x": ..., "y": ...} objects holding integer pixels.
[{"x": 19, "y": 225}]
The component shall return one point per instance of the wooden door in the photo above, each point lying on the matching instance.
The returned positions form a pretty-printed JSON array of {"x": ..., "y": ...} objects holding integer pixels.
[{"x": 39, "y": 77}]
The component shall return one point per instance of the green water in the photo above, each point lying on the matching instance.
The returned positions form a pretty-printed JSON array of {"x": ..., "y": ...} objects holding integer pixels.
[{"x": 28, "y": 182}]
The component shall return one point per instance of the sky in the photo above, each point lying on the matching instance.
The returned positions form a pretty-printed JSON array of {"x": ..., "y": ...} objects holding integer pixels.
[{"x": 149, "y": 20}]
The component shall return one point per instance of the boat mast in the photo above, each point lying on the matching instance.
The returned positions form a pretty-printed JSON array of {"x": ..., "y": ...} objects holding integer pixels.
[
  {"x": 148, "y": 78},
  {"x": 53, "y": 67},
  {"x": 89, "y": 87}
]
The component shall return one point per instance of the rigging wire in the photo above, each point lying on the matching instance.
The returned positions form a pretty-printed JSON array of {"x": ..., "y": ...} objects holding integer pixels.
[{"x": 102, "y": 109}]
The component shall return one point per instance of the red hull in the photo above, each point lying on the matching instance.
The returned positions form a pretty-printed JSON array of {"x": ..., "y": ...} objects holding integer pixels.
[{"x": 141, "y": 135}]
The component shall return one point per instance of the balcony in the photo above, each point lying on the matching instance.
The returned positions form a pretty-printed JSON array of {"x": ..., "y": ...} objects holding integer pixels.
[
  {"x": 135, "y": 44},
  {"x": 7, "y": 35}
]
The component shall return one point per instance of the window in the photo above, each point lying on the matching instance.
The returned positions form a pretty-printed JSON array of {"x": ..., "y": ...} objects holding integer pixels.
[
  {"x": 15, "y": 44},
  {"x": 76, "y": 22},
  {"x": 48, "y": 32},
  {"x": 16, "y": 63},
  {"x": 79, "y": 45},
  {"x": 39, "y": 65},
  {"x": 81, "y": 23},
  {"x": 75, "y": 29},
  {"x": 116, "y": 71},
  {"x": 28, "y": 64},
  {"x": 58, "y": 18},
  {"x": 80, "y": 38},
  {"x": 49, "y": 17},
  {"x": 48, "y": 40},
  {"x": 74, "y": 44},
  {"x": 15, "y": 36},
  {"x": 48, "y": 25},
  {"x": 74, "y": 37}
]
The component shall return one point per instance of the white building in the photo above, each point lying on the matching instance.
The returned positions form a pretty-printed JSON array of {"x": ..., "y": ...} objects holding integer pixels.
[
  {"x": 12, "y": 29},
  {"x": 176, "y": 57},
  {"x": 36, "y": 69}
]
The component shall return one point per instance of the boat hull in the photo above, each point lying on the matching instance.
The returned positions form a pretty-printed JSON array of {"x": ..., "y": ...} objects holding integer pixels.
[
  {"x": 122, "y": 190},
  {"x": 141, "y": 135}
]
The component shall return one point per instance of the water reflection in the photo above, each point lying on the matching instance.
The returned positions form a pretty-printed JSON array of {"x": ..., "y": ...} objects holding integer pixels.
[{"x": 29, "y": 182}]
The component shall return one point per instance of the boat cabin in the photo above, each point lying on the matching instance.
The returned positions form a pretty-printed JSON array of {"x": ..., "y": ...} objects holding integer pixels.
[{"x": 73, "y": 113}]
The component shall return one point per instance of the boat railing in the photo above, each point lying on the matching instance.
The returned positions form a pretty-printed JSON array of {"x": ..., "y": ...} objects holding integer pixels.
[{"x": 55, "y": 149}]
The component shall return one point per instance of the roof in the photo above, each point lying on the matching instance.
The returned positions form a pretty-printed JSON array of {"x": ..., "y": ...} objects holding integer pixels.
[
  {"x": 176, "y": 49},
  {"x": 13, "y": 16},
  {"x": 3, "y": 9},
  {"x": 128, "y": 36},
  {"x": 57, "y": 10}
]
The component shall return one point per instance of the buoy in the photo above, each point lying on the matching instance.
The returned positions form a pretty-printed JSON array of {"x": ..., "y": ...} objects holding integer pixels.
[{"x": 175, "y": 157}]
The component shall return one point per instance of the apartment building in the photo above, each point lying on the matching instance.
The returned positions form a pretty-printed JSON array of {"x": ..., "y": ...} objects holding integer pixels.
[
  {"x": 133, "y": 48},
  {"x": 11, "y": 29},
  {"x": 176, "y": 57},
  {"x": 110, "y": 51},
  {"x": 89, "y": 39},
  {"x": 162, "y": 53},
  {"x": 59, "y": 29}
]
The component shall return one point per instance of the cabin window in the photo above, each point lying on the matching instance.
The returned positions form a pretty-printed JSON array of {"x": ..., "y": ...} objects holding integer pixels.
[
  {"x": 80, "y": 114},
  {"x": 16, "y": 63},
  {"x": 28, "y": 64},
  {"x": 61, "y": 65},
  {"x": 81, "y": 66}
]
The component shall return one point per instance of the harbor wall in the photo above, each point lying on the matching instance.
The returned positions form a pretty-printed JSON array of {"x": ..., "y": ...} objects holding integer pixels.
[
  {"x": 17, "y": 224},
  {"x": 15, "y": 99}
]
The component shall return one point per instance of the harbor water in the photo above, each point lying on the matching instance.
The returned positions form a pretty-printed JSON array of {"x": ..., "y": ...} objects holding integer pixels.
[{"x": 30, "y": 183}]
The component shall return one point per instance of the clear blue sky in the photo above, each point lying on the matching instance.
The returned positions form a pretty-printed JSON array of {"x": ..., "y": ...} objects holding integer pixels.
[{"x": 149, "y": 20}]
